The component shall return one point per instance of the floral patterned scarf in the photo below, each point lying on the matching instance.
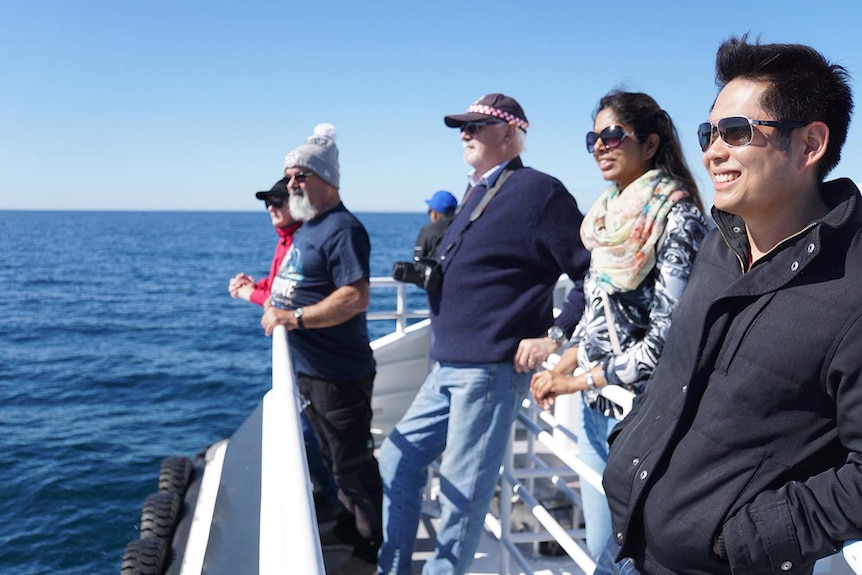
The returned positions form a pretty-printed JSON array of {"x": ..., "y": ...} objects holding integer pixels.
[{"x": 622, "y": 229}]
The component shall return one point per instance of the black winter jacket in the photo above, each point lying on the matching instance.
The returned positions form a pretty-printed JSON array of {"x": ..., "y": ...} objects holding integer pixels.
[
  {"x": 429, "y": 237},
  {"x": 750, "y": 434}
]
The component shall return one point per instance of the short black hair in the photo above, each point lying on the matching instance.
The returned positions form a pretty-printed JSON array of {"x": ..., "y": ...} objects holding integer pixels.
[{"x": 803, "y": 86}]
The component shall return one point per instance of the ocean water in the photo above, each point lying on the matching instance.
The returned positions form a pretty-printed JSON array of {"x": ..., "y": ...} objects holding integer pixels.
[{"x": 119, "y": 346}]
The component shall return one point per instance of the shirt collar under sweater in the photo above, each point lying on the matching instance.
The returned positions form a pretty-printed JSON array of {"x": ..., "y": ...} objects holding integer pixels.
[{"x": 489, "y": 177}]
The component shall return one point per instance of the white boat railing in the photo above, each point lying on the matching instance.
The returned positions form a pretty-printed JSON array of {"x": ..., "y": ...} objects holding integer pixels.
[
  {"x": 204, "y": 510},
  {"x": 517, "y": 484},
  {"x": 286, "y": 498},
  {"x": 401, "y": 315}
]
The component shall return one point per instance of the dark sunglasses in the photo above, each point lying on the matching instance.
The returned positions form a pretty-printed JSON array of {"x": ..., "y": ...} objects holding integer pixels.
[
  {"x": 737, "y": 131},
  {"x": 298, "y": 177},
  {"x": 275, "y": 201},
  {"x": 612, "y": 137},
  {"x": 473, "y": 128}
]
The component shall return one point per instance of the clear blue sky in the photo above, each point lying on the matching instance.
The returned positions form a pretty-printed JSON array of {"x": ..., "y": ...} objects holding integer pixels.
[{"x": 191, "y": 105}]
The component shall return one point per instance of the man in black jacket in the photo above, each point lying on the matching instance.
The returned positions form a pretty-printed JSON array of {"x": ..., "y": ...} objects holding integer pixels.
[
  {"x": 745, "y": 455},
  {"x": 441, "y": 210}
]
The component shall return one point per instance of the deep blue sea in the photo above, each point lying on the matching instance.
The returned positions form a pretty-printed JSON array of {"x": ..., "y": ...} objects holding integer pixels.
[{"x": 119, "y": 346}]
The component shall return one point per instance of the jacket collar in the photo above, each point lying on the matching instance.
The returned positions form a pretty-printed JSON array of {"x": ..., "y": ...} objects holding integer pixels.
[
  {"x": 287, "y": 232},
  {"x": 842, "y": 197}
]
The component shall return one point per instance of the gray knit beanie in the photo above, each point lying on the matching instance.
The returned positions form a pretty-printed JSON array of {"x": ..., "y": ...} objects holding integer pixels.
[{"x": 317, "y": 154}]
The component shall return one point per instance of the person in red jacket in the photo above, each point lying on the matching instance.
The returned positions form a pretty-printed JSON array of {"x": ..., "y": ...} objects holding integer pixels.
[{"x": 243, "y": 286}]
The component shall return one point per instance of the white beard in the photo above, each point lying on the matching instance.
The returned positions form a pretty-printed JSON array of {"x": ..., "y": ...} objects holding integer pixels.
[
  {"x": 471, "y": 155},
  {"x": 301, "y": 208}
]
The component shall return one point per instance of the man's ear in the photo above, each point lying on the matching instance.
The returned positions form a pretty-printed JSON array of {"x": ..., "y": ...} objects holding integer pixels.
[
  {"x": 815, "y": 137},
  {"x": 510, "y": 130}
]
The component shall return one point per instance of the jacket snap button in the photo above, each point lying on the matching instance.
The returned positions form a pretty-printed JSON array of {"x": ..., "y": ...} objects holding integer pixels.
[
  {"x": 794, "y": 266},
  {"x": 811, "y": 248},
  {"x": 619, "y": 535},
  {"x": 635, "y": 461},
  {"x": 684, "y": 388},
  {"x": 643, "y": 474},
  {"x": 786, "y": 566},
  {"x": 736, "y": 229}
]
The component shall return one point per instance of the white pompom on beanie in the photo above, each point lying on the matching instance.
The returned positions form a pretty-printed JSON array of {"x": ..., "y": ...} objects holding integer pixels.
[{"x": 317, "y": 154}]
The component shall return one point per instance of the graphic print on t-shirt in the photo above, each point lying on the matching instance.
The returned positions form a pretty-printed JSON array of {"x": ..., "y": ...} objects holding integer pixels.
[{"x": 288, "y": 278}]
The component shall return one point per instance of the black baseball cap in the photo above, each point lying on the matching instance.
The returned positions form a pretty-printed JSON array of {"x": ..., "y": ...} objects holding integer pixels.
[
  {"x": 278, "y": 189},
  {"x": 491, "y": 106}
]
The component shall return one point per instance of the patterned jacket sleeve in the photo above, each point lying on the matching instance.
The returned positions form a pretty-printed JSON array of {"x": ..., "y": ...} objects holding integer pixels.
[{"x": 680, "y": 242}]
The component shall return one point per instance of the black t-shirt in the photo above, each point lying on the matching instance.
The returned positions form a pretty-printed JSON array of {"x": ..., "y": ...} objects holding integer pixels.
[{"x": 329, "y": 252}]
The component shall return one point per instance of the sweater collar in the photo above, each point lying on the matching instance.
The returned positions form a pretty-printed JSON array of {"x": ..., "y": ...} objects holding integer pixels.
[{"x": 489, "y": 178}]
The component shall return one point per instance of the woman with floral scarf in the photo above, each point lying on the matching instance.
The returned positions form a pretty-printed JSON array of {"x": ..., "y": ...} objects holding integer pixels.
[{"x": 643, "y": 233}]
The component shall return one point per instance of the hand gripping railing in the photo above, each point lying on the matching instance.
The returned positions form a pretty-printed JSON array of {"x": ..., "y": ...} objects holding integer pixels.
[{"x": 288, "y": 526}]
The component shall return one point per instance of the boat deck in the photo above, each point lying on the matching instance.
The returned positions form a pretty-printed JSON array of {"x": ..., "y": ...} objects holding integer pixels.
[
  {"x": 486, "y": 560},
  {"x": 488, "y": 557}
]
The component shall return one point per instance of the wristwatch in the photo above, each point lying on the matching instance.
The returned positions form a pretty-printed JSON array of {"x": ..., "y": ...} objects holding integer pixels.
[
  {"x": 557, "y": 334},
  {"x": 588, "y": 378},
  {"x": 297, "y": 313}
]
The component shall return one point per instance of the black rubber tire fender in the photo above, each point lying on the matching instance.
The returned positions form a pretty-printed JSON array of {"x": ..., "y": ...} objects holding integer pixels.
[
  {"x": 159, "y": 515},
  {"x": 175, "y": 474},
  {"x": 144, "y": 557}
]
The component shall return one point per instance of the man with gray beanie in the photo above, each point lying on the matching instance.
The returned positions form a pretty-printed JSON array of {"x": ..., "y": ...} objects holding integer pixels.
[{"x": 320, "y": 295}]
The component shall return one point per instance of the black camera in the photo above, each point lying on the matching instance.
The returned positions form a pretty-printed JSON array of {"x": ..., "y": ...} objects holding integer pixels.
[{"x": 426, "y": 273}]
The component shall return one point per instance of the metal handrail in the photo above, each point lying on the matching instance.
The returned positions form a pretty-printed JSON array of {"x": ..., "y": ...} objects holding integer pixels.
[
  {"x": 401, "y": 313},
  {"x": 563, "y": 453},
  {"x": 285, "y": 493},
  {"x": 528, "y": 418}
]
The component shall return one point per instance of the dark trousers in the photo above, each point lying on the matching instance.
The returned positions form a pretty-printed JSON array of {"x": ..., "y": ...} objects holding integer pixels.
[
  {"x": 340, "y": 412},
  {"x": 321, "y": 478}
]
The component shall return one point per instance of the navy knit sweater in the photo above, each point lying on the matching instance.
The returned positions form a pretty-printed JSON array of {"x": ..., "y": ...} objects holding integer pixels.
[{"x": 498, "y": 279}]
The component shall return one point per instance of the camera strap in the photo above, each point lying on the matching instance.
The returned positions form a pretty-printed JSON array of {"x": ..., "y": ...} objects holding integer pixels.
[
  {"x": 489, "y": 195},
  {"x": 480, "y": 209}
]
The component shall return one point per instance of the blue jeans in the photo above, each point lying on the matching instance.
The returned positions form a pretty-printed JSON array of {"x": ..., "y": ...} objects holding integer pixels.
[
  {"x": 607, "y": 563},
  {"x": 593, "y": 448},
  {"x": 464, "y": 412}
]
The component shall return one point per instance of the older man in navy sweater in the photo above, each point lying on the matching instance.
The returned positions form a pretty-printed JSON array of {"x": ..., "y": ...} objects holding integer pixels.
[{"x": 516, "y": 232}]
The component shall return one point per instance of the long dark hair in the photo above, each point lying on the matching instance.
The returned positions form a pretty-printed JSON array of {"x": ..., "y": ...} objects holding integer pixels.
[{"x": 642, "y": 113}]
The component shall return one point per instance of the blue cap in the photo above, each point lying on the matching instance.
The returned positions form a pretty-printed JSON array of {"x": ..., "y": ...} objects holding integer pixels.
[{"x": 442, "y": 202}]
